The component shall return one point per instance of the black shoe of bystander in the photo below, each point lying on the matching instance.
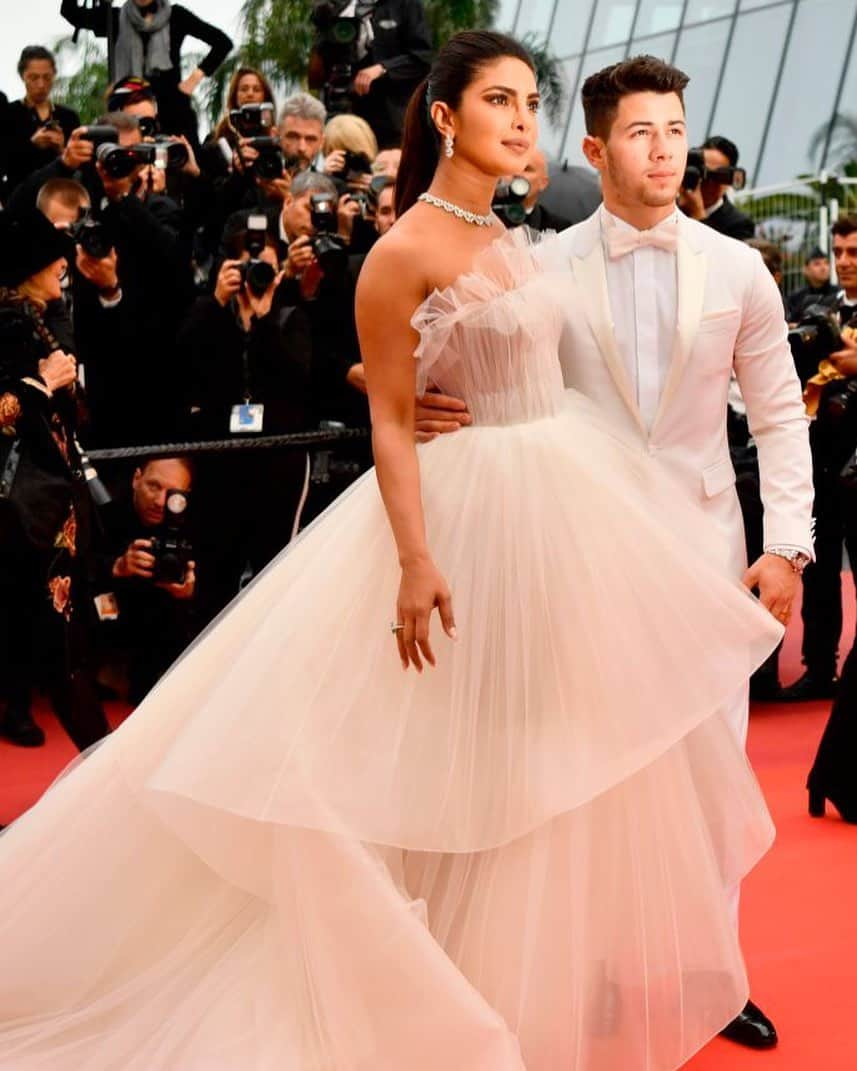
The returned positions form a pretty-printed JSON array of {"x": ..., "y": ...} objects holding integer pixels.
[
  {"x": 19, "y": 728},
  {"x": 810, "y": 686}
]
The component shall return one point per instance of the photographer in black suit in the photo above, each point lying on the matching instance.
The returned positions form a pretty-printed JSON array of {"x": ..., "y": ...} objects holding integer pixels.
[
  {"x": 833, "y": 437},
  {"x": 387, "y": 57},
  {"x": 708, "y": 201},
  {"x": 248, "y": 352},
  {"x": 148, "y": 618}
]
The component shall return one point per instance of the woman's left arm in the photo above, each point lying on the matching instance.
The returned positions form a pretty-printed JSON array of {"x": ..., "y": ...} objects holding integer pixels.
[{"x": 184, "y": 23}]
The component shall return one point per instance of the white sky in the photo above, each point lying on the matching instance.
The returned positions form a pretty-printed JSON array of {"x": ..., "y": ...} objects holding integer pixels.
[{"x": 38, "y": 22}]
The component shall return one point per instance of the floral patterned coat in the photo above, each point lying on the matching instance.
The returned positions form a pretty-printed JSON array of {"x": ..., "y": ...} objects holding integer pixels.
[{"x": 28, "y": 410}]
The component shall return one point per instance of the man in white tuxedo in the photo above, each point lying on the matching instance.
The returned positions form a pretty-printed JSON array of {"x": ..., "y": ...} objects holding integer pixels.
[{"x": 664, "y": 311}]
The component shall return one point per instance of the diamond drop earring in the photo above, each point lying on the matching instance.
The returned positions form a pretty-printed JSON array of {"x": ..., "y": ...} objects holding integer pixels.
[{"x": 448, "y": 146}]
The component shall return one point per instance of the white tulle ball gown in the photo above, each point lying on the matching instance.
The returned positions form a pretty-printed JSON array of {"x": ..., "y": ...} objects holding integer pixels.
[{"x": 296, "y": 857}]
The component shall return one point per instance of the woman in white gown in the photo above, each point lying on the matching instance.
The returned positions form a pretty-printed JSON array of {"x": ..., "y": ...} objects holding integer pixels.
[{"x": 296, "y": 856}]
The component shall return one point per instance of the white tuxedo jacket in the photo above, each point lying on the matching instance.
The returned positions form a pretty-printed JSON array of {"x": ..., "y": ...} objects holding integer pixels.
[{"x": 730, "y": 317}]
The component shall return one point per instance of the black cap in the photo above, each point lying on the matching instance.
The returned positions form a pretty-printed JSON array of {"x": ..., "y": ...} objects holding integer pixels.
[
  {"x": 28, "y": 243},
  {"x": 815, "y": 254},
  {"x": 130, "y": 90}
]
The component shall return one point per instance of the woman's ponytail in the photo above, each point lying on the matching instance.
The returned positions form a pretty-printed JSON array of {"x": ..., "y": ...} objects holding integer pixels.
[{"x": 420, "y": 151}]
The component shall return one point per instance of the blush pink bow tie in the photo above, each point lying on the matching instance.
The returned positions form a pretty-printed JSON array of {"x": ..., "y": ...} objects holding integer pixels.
[{"x": 621, "y": 240}]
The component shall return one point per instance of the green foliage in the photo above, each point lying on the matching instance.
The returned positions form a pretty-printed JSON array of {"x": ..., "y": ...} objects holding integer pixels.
[
  {"x": 447, "y": 17},
  {"x": 842, "y": 132},
  {"x": 84, "y": 89}
]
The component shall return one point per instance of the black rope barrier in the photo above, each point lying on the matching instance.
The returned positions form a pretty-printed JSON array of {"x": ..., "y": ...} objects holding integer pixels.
[{"x": 216, "y": 446}]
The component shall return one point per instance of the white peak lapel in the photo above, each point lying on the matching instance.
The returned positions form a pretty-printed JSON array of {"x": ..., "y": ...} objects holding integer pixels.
[
  {"x": 590, "y": 273},
  {"x": 691, "y": 269}
]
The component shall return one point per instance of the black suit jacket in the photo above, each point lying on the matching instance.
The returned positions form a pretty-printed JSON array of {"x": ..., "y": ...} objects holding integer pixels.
[
  {"x": 19, "y": 157},
  {"x": 731, "y": 221},
  {"x": 540, "y": 219},
  {"x": 403, "y": 46}
]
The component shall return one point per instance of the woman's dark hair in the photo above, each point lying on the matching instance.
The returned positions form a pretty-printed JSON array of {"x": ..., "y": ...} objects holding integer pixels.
[
  {"x": 224, "y": 127},
  {"x": 457, "y": 64}
]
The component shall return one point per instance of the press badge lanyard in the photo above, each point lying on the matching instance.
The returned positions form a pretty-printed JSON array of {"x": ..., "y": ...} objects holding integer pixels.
[{"x": 248, "y": 416}]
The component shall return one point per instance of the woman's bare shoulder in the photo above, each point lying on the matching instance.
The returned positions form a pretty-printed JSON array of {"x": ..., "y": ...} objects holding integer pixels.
[{"x": 402, "y": 256}]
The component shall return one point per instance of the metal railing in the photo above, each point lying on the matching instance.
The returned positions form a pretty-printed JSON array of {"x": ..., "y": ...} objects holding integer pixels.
[{"x": 797, "y": 217}]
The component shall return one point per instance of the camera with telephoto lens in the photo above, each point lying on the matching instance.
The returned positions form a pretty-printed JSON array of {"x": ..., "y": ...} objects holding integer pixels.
[
  {"x": 509, "y": 197},
  {"x": 99, "y": 134},
  {"x": 171, "y": 548},
  {"x": 330, "y": 250},
  {"x": 122, "y": 161},
  {"x": 335, "y": 53},
  {"x": 91, "y": 235},
  {"x": 256, "y": 274},
  {"x": 814, "y": 338},
  {"x": 696, "y": 172},
  {"x": 149, "y": 125}
]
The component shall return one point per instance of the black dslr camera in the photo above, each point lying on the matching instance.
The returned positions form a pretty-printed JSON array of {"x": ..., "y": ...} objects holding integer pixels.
[
  {"x": 696, "y": 172},
  {"x": 255, "y": 123},
  {"x": 256, "y": 274},
  {"x": 119, "y": 162},
  {"x": 171, "y": 548},
  {"x": 814, "y": 338},
  {"x": 334, "y": 58},
  {"x": 91, "y": 235},
  {"x": 330, "y": 250},
  {"x": 253, "y": 120},
  {"x": 509, "y": 198}
]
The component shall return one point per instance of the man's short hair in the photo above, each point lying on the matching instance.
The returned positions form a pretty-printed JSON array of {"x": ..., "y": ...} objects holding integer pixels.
[
  {"x": 69, "y": 193},
  {"x": 35, "y": 52},
  {"x": 182, "y": 459},
  {"x": 724, "y": 145},
  {"x": 844, "y": 226},
  {"x": 313, "y": 182},
  {"x": 603, "y": 90},
  {"x": 304, "y": 106}
]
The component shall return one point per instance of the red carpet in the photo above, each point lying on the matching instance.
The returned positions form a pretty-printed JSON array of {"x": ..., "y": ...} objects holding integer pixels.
[{"x": 799, "y": 915}]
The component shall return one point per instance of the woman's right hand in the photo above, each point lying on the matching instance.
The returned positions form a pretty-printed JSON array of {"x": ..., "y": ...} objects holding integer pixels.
[
  {"x": 58, "y": 370},
  {"x": 421, "y": 589}
]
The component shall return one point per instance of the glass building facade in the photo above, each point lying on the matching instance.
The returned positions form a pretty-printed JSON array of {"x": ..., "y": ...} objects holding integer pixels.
[{"x": 769, "y": 74}]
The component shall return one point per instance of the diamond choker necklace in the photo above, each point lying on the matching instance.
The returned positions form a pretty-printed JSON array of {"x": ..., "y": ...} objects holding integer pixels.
[{"x": 455, "y": 210}]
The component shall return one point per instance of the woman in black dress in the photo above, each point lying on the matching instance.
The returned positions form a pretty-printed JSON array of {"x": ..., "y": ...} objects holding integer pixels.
[{"x": 44, "y": 520}]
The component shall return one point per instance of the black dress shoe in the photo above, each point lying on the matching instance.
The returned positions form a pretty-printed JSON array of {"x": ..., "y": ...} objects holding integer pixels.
[
  {"x": 765, "y": 690},
  {"x": 809, "y": 686},
  {"x": 19, "y": 728},
  {"x": 819, "y": 798},
  {"x": 752, "y": 1028}
]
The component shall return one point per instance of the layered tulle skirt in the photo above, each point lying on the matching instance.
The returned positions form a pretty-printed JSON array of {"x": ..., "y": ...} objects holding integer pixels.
[{"x": 296, "y": 856}]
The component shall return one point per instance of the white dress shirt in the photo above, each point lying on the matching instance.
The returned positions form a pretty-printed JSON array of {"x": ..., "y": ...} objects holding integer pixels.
[{"x": 643, "y": 292}]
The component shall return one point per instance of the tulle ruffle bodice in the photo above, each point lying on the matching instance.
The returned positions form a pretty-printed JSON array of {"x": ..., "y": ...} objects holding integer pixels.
[{"x": 490, "y": 338}]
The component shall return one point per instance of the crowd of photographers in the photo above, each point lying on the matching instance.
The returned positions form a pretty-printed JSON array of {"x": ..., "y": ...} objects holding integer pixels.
[
  {"x": 159, "y": 288},
  {"x": 156, "y": 287}
]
